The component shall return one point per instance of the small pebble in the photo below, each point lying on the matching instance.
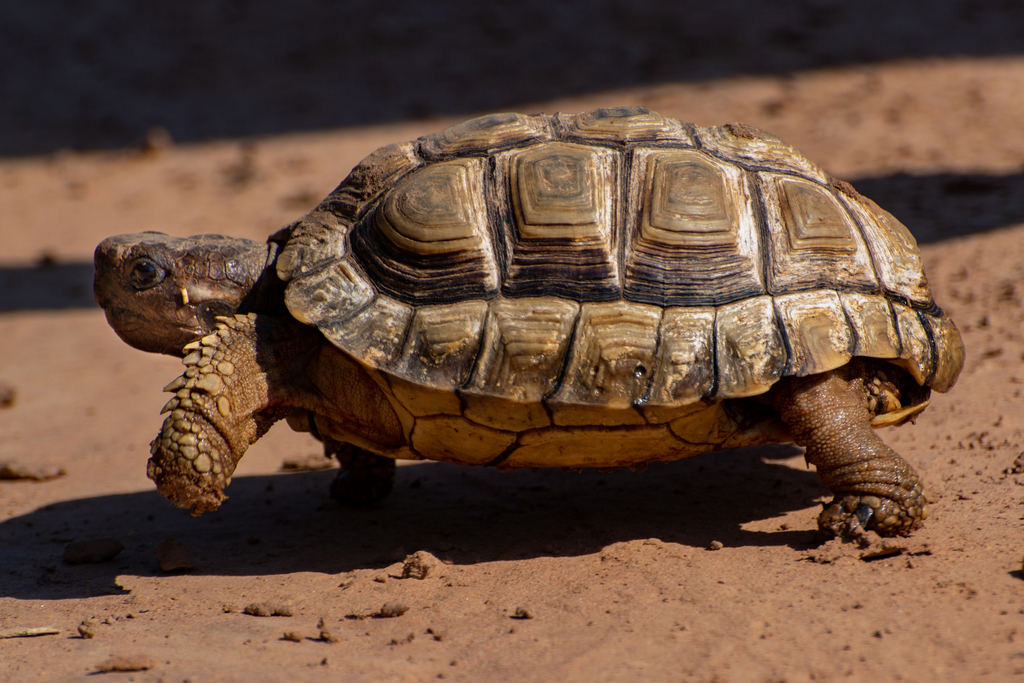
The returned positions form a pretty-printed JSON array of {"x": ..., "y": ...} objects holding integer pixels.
[
  {"x": 439, "y": 632},
  {"x": 393, "y": 609},
  {"x": 93, "y": 551},
  {"x": 716, "y": 545},
  {"x": 126, "y": 663},
  {"x": 292, "y": 636},
  {"x": 523, "y": 613}
]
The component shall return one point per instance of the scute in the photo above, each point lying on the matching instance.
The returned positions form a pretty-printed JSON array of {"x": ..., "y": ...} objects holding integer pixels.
[
  {"x": 757, "y": 150},
  {"x": 485, "y": 134},
  {"x": 893, "y": 249},
  {"x": 949, "y": 351},
  {"x": 612, "y": 357},
  {"x": 624, "y": 125},
  {"x": 439, "y": 352},
  {"x": 521, "y": 357},
  {"x": 694, "y": 237},
  {"x": 818, "y": 244},
  {"x": 429, "y": 238},
  {"x": 685, "y": 371},
  {"x": 563, "y": 201},
  {"x": 816, "y": 329},
  {"x": 750, "y": 353},
  {"x": 874, "y": 329},
  {"x": 917, "y": 353}
]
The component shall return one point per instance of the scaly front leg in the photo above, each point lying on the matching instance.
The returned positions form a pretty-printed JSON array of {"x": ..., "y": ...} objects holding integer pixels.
[{"x": 229, "y": 396}]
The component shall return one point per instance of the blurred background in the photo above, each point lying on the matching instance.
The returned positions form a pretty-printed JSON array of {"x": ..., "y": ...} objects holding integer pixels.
[{"x": 100, "y": 73}]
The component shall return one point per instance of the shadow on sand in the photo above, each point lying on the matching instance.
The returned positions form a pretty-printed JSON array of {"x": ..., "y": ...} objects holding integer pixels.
[{"x": 286, "y": 523}]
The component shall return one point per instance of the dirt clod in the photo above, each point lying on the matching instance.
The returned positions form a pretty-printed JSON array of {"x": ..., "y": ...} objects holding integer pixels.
[
  {"x": 393, "y": 609},
  {"x": 92, "y": 551},
  {"x": 419, "y": 565},
  {"x": 267, "y": 609},
  {"x": 126, "y": 663}
]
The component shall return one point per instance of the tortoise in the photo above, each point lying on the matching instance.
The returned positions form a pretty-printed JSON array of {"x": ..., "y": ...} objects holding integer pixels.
[{"x": 607, "y": 289}]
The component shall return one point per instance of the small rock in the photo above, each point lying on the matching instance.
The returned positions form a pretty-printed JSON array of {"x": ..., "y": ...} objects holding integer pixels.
[
  {"x": 267, "y": 609},
  {"x": 523, "y": 613},
  {"x": 30, "y": 472},
  {"x": 419, "y": 565},
  {"x": 126, "y": 663},
  {"x": 716, "y": 545},
  {"x": 393, "y": 609},
  {"x": 7, "y": 396},
  {"x": 90, "y": 552},
  {"x": 439, "y": 632},
  {"x": 85, "y": 629},
  {"x": 403, "y": 641},
  {"x": 173, "y": 555},
  {"x": 292, "y": 636}
]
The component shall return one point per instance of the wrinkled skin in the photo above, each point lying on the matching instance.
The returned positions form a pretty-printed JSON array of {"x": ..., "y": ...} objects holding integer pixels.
[{"x": 161, "y": 292}]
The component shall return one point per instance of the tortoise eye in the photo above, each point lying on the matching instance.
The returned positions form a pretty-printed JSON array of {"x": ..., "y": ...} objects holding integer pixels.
[{"x": 145, "y": 274}]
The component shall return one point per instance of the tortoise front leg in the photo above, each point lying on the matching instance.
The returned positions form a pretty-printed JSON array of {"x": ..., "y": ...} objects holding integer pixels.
[
  {"x": 828, "y": 415},
  {"x": 232, "y": 391}
]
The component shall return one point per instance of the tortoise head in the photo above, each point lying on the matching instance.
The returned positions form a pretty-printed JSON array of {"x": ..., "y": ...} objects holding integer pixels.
[{"x": 161, "y": 292}]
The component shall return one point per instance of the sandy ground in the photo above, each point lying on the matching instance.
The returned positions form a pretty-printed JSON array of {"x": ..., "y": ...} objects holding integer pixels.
[{"x": 614, "y": 569}]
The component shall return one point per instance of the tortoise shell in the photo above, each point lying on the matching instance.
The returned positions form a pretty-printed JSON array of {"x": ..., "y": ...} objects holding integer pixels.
[{"x": 517, "y": 283}]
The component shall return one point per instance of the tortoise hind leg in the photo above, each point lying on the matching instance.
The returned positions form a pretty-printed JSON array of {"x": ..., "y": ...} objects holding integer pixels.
[
  {"x": 828, "y": 415},
  {"x": 365, "y": 478}
]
